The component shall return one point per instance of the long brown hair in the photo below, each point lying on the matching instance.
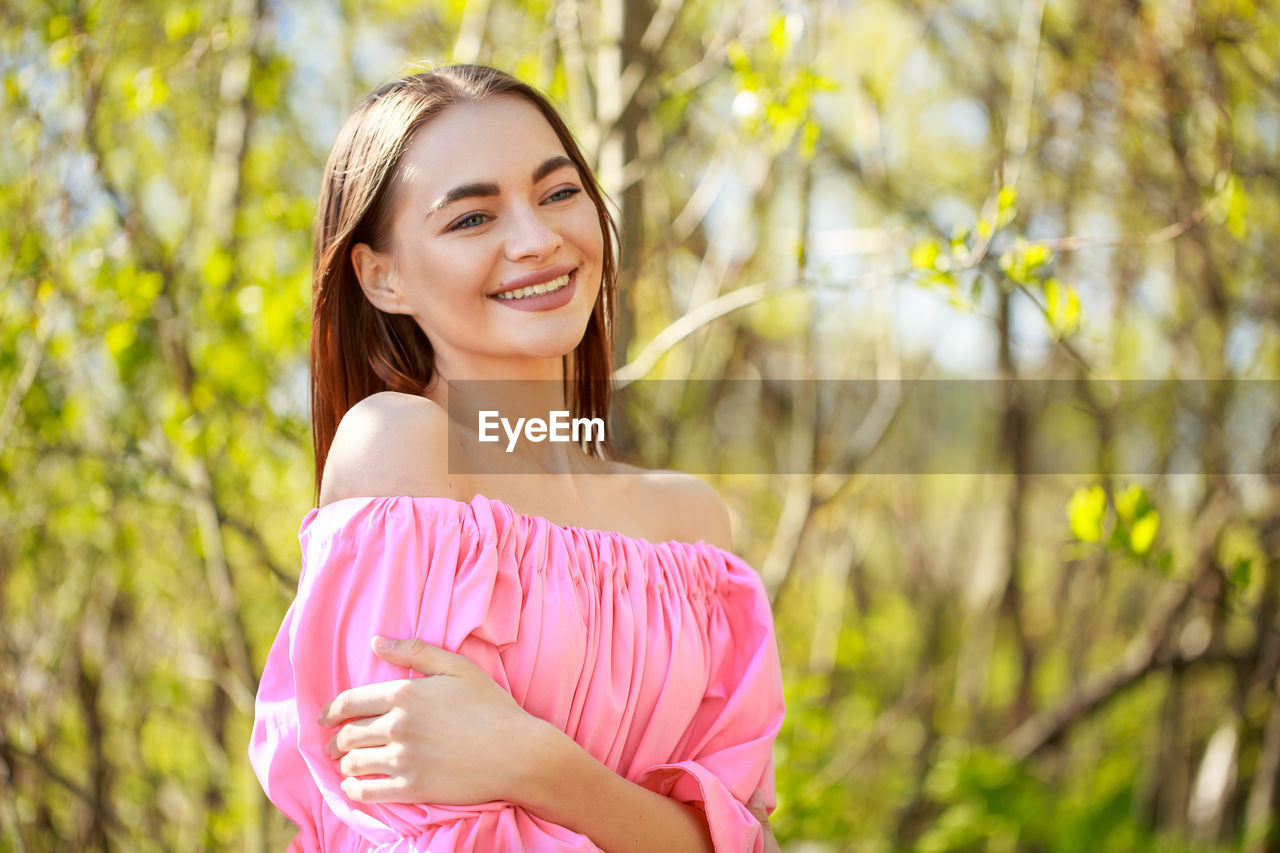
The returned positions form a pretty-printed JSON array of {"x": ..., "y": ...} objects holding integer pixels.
[{"x": 358, "y": 350}]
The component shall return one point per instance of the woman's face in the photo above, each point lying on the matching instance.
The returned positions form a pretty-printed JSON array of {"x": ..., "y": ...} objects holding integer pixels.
[{"x": 489, "y": 206}]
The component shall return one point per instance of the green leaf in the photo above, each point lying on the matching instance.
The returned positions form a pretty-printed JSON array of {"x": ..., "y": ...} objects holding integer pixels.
[
  {"x": 119, "y": 337},
  {"x": 822, "y": 83},
  {"x": 1007, "y": 199},
  {"x": 1022, "y": 263},
  {"x": 1062, "y": 307},
  {"x": 740, "y": 61},
  {"x": 809, "y": 139},
  {"x": 924, "y": 256},
  {"x": 180, "y": 22},
  {"x": 1237, "y": 208},
  {"x": 60, "y": 53},
  {"x": 1143, "y": 533},
  {"x": 1085, "y": 513},
  {"x": 1036, "y": 256},
  {"x": 778, "y": 35},
  {"x": 1240, "y": 573},
  {"x": 958, "y": 300},
  {"x": 1006, "y": 206},
  {"x": 1132, "y": 504},
  {"x": 944, "y": 280},
  {"x": 218, "y": 268},
  {"x": 58, "y": 27}
]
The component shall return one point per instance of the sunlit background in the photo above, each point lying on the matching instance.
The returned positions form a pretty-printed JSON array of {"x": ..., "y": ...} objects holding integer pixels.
[{"x": 1046, "y": 189}]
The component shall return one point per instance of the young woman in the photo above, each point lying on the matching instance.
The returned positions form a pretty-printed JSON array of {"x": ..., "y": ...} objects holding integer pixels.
[{"x": 564, "y": 658}]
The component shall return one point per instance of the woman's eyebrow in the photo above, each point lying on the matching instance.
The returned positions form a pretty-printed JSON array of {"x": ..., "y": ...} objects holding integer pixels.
[
  {"x": 550, "y": 165},
  {"x": 482, "y": 189}
]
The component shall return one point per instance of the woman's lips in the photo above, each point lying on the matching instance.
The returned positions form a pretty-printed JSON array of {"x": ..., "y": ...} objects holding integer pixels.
[{"x": 543, "y": 301}]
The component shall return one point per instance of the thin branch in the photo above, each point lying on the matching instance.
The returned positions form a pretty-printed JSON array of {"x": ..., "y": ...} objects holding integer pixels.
[
  {"x": 577, "y": 69},
  {"x": 1061, "y": 341},
  {"x": 231, "y": 132},
  {"x": 254, "y": 537},
  {"x": 88, "y": 691},
  {"x": 705, "y": 193},
  {"x": 1260, "y": 810},
  {"x": 1046, "y": 728},
  {"x": 222, "y": 587},
  {"x": 1145, "y": 653},
  {"x": 475, "y": 19},
  {"x": 9, "y": 821},
  {"x": 703, "y": 315},
  {"x": 120, "y": 833},
  {"x": 686, "y": 325},
  {"x": 1149, "y": 238},
  {"x": 797, "y": 509},
  {"x": 654, "y": 40},
  {"x": 27, "y": 378},
  {"x": 844, "y": 762},
  {"x": 1023, "y": 87}
]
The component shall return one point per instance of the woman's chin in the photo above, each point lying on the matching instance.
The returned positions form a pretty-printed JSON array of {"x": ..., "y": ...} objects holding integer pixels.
[
  {"x": 542, "y": 351},
  {"x": 553, "y": 344}
]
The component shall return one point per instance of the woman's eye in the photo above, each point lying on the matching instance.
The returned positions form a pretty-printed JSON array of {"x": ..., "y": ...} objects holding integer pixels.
[
  {"x": 471, "y": 220},
  {"x": 567, "y": 192}
]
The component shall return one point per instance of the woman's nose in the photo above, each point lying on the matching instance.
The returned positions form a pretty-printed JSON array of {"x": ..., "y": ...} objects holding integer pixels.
[{"x": 530, "y": 236}]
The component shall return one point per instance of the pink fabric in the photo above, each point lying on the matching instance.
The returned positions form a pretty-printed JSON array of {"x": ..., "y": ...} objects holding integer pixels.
[{"x": 658, "y": 658}]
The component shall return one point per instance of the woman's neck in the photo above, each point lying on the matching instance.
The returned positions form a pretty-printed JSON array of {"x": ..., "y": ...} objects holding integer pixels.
[{"x": 516, "y": 426}]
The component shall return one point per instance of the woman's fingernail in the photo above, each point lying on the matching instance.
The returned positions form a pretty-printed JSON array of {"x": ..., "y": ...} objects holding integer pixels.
[{"x": 382, "y": 644}]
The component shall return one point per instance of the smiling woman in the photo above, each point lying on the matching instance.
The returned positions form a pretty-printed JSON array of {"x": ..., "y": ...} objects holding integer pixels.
[
  {"x": 515, "y": 228},
  {"x": 390, "y": 221},
  {"x": 456, "y": 673}
]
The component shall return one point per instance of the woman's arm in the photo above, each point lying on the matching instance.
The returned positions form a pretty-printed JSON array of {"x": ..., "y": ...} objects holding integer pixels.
[
  {"x": 456, "y": 737},
  {"x": 581, "y": 794}
]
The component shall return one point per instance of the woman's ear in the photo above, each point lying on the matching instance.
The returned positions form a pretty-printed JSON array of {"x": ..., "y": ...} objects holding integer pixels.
[{"x": 373, "y": 271}]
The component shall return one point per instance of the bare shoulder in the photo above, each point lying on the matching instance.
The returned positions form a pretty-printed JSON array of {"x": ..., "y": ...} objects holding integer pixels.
[
  {"x": 389, "y": 444},
  {"x": 692, "y": 508}
]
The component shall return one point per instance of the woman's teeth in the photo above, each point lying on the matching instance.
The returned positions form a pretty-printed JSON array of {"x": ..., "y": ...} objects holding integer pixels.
[{"x": 537, "y": 289}]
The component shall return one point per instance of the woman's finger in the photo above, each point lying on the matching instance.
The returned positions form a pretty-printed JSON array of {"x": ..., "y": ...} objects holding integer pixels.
[
  {"x": 370, "y": 761},
  {"x": 383, "y": 790},
  {"x": 369, "y": 700},
  {"x": 356, "y": 734},
  {"x": 412, "y": 653},
  {"x": 756, "y": 805}
]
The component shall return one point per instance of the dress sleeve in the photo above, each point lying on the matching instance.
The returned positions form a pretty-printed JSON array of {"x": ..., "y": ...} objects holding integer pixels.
[
  {"x": 397, "y": 568},
  {"x": 730, "y": 755}
]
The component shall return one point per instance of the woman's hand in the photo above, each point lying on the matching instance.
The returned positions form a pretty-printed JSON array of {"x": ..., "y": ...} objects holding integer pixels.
[
  {"x": 760, "y": 813},
  {"x": 452, "y": 738}
]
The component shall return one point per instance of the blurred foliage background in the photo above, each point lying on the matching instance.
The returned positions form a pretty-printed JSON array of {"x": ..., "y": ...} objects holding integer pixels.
[{"x": 874, "y": 189}]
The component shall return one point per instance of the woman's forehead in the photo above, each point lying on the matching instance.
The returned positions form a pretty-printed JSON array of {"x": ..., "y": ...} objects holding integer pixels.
[{"x": 500, "y": 139}]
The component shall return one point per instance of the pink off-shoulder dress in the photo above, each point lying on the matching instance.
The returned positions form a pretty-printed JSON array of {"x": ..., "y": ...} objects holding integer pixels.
[{"x": 658, "y": 658}]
